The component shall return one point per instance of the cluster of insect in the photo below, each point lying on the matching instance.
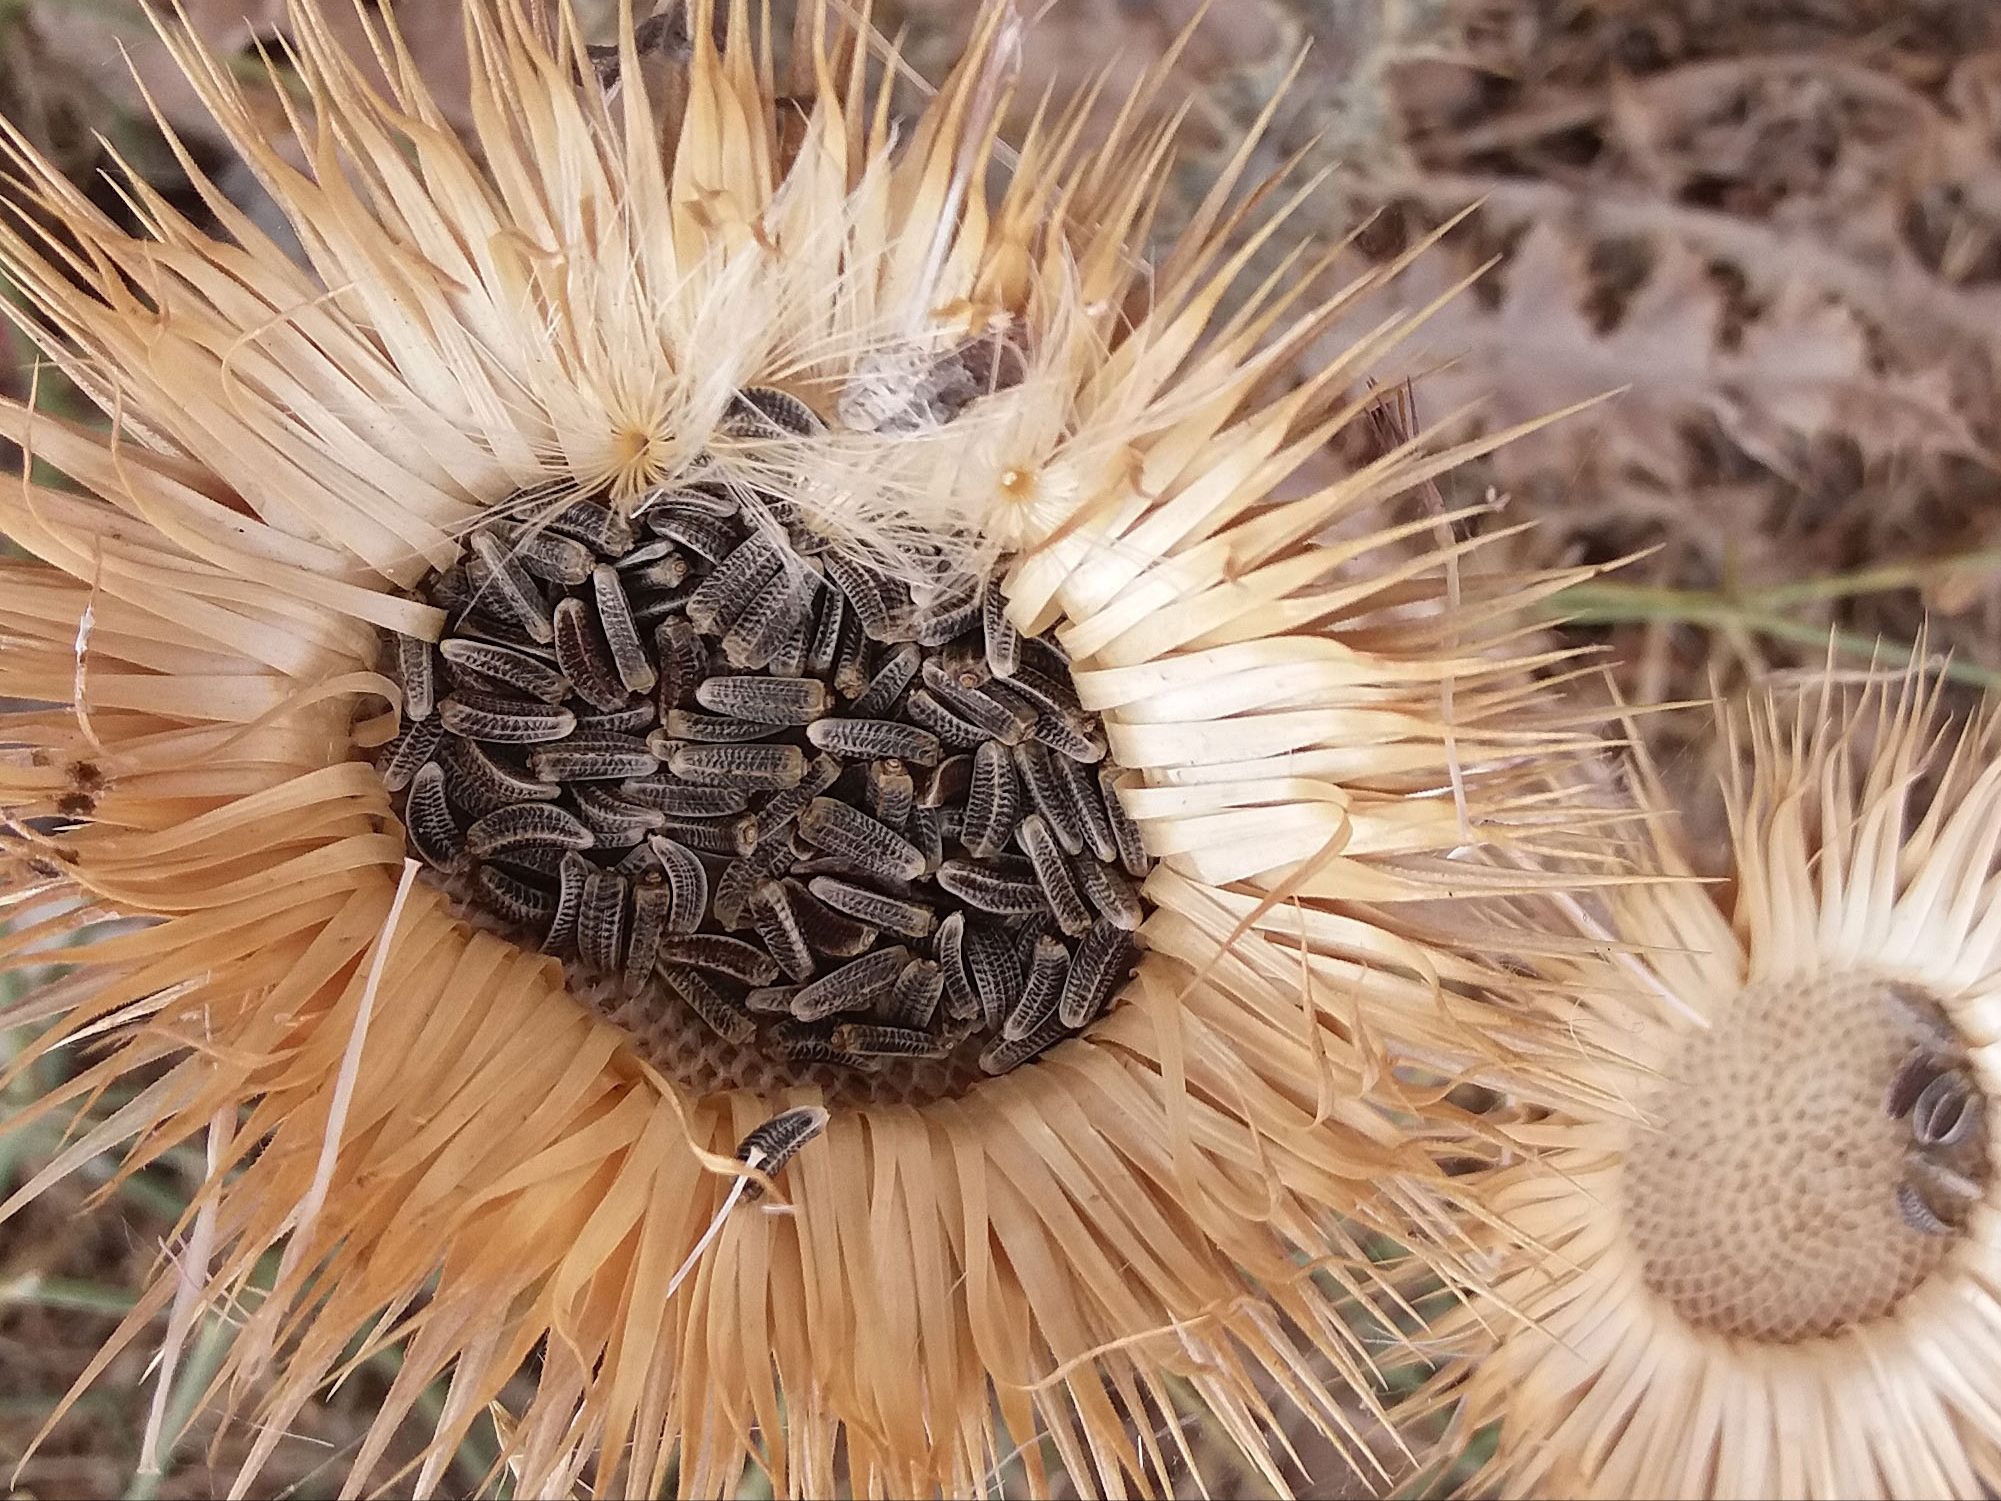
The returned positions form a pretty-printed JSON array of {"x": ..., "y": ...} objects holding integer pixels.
[
  {"x": 698, "y": 752},
  {"x": 1935, "y": 1094}
]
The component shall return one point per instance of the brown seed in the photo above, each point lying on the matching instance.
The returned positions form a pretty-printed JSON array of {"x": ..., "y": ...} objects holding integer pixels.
[
  {"x": 1102, "y": 960},
  {"x": 416, "y": 743},
  {"x": 768, "y": 700},
  {"x": 682, "y": 662},
  {"x": 781, "y": 808},
  {"x": 851, "y": 987},
  {"x": 891, "y": 794},
  {"x": 614, "y": 821},
  {"x": 775, "y": 1143},
  {"x": 652, "y": 907},
  {"x": 503, "y": 721},
  {"x": 724, "y": 955},
  {"x": 480, "y": 784},
  {"x": 1080, "y": 793},
  {"x": 427, "y": 817},
  {"x": 598, "y": 527},
  {"x": 593, "y": 758},
  {"x": 948, "y": 783},
  {"x": 1047, "y": 794},
  {"x": 707, "y": 729},
  {"x": 991, "y": 890},
  {"x": 1004, "y": 1057},
  {"x": 877, "y": 1041},
  {"x": 586, "y": 660},
  {"x": 747, "y": 766},
  {"x": 527, "y": 824},
  {"x": 777, "y": 922},
  {"x": 1004, "y": 719},
  {"x": 876, "y": 739},
  {"x": 993, "y": 802},
  {"x": 1125, "y": 832},
  {"x": 913, "y": 1000},
  {"x": 708, "y": 537},
  {"x": 863, "y": 589},
  {"x": 1918, "y": 1214},
  {"x": 1040, "y": 992},
  {"x": 1111, "y": 891},
  {"x": 621, "y": 631},
  {"x": 962, "y": 1004},
  {"x": 769, "y": 620},
  {"x": 680, "y": 800},
  {"x": 725, "y": 593},
  {"x": 995, "y": 970},
  {"x": 503, "y": 584},
  {"x": 835, "y": 827},
  {"x": 1946, "y": 1111},
  {"x": 710, "y": 1006},
  {"x": 513, "y": 899},
  {"x": 924, "y": 708},
  {"x": 824, "y": 642},
  {"x": 414, "y": 667},
  {"x": 890, "y": 914},
  {"x": 713, "y": 836},
  {"x": 1070, "y": 736},
  {"x": 507, "y": 665},
  {"x": 998, "y": 635},
  {"x": 571, "y": 875},
  {"x": 687, "y": 881},
  {"x": 634, "y": 719},
  {"x": 951, "y": 613},
  {"x": 766, "y": 412},
  {"x": 895, "y": 673},
  {"x": 1052, "y": 872},
  {"x": 832, "y": 933},
  {"x": 559, "y": 559},
  {"x": 601, "y": 923}
]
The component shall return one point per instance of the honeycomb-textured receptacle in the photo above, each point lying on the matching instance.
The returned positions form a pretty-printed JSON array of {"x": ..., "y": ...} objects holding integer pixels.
[{"x": 1761, "y": 1197}]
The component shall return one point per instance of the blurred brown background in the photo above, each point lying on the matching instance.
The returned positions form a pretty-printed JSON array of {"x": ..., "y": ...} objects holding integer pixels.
[{"x": 1774, "y": 226}]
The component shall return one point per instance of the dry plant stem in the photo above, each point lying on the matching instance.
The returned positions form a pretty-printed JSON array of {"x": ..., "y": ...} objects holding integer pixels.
[{"x": 1754, "y": 612}]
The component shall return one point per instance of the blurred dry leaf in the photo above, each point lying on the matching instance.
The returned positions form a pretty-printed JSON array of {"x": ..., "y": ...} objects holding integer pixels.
[{"x": 1800, "y": 368}]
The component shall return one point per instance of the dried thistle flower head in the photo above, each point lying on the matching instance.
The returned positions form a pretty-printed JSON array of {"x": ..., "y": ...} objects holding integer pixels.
[
  {"x": 1764, "y": 1263},
  {"x": 799, "y": 598}
]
